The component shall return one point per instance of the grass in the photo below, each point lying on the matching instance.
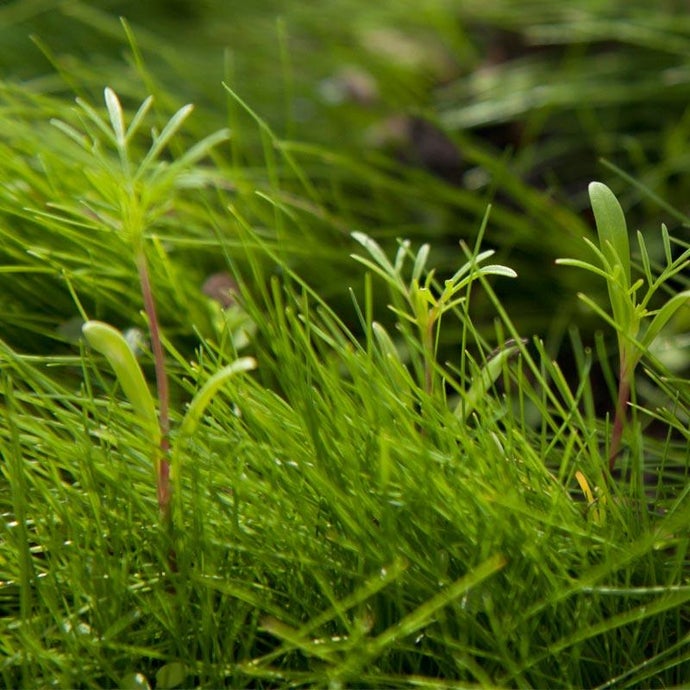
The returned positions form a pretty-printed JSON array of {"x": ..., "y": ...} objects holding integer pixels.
[{"x": 414, "y": 496}]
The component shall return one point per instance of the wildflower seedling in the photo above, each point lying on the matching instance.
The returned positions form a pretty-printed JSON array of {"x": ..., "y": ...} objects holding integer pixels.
[
  {"x": 423, "y": 303},
  {"x": 636, "y": 325},
  {"x": 130, "y": 199}
]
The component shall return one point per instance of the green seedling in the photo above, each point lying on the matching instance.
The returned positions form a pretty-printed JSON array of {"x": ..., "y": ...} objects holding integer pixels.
[
  {"x": 423, "y": 303},
  {"x": 636, "y": 325},
  {"x": 130, "y": 196}
]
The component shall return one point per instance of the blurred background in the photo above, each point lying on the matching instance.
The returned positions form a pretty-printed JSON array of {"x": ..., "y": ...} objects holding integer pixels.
[{"x": 407, "y": 118}]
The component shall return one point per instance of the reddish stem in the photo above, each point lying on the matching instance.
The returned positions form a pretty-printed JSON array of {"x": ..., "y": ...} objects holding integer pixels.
[
  {"x": 163, "y": 489},
  {"x": 621, "y": 413}
]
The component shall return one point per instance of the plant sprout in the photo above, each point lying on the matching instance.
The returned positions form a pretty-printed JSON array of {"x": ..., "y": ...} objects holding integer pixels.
[
  {"x": 420, "y": 303},
  {"x": 636, "y": 325},
  {"x": 134, "y": 195}
]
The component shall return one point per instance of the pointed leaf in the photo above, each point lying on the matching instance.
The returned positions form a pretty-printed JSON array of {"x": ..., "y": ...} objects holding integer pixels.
[
  {"x": 466, "y": 268},
  {"x": 401, "y": 254},
  {"x": 420, "y": 261},
  {"x": 576, "y": 263},
  {"x": 498, "y": 270},
  {"x": 667, "y": 244},
  {"x": 376, "y": 252},
  {"x": 71, "y": 132},
  {"x": 390, "y": 278},
  {"x": 663, "y": 316},
  {"x": 201, "y": 148},
  {"x": 139, "y": 116},
  {"x": 117, "y": 121},
  {"x": 97, "y": 120},
  {"x": 644, "y": 256},
  {"x": 164, "y": 137}
]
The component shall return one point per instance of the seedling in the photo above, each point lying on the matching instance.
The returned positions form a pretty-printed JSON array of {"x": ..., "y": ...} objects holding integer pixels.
[
  {"x": 131, "y": 197},
  {"x": 636, "y": 325},
  {"x": 420, "y": 301}
]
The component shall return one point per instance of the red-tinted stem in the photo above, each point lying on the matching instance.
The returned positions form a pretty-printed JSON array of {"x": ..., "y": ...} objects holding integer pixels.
[
  {"x": 619, "y": 419},
  {"x": 164, "y": 490}
]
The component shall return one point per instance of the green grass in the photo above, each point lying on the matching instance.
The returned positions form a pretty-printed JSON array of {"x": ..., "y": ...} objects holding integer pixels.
[{"x": 408, "y": 497}]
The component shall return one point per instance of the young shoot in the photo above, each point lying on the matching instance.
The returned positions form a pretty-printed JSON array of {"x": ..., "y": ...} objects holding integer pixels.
[
  {"x": 635, "y": 323},
  {"x": 130, "y": 195},
  {"x": 418, "y": 301}
]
